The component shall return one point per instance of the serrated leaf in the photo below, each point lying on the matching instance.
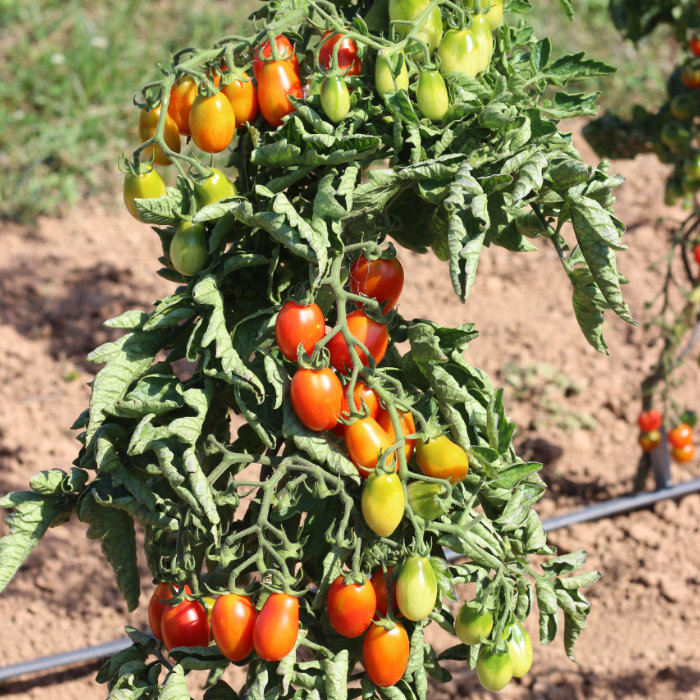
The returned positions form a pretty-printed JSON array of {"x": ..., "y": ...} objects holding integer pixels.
[
  {"x": 175, "y": 686},
  {"x": 166, "y": 210}
]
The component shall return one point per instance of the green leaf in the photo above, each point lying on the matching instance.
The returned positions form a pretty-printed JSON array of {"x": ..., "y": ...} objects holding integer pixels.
[
  {"x": 175, "y": 686},
  {"x": 166, "y": 210}
]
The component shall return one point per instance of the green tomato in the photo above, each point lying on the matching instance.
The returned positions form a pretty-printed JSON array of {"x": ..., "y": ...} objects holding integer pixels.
[
  {"x": 676, "y": 136},
  {"x": 387, "y": 67},
  {"x": 430, "y": 31},
  {"x": 416, "y": 588},
  {"x": 494, "y": 669},
  {"x": 519, "y": 649},
  {"x": 494, "y": 16},
  {"x": 459, "y": 53},
  {"x": 383, "y": 503},
  {"x": 471, "y": 626},
  {"x": 663, "y": 153},
  {"x": 682, "y": 106},
  {"x": 484, "y": 40},
  {"x": 691, "y": 166},
  {"x": 187, "y": 250},
  {"x": 422, "y": 497},
  {"x": 431, "y": 92},
  {"x": 214, "y": 188},
  {"x": 335, "y": 98},
  {"x": 148, "y": 184}
]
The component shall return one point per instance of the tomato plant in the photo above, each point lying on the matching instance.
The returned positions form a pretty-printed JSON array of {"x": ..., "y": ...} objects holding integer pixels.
[
  {"x": 184, "y": 625},
  {"x": 380, "y": 279},
  {"x": 276, "y": 627},
  {"x": 316, "y": 397},
  {"x": 416, "y": 588},
  {"x": 390, "y": 73},
  {"x": 684, "y": 453},
  {"x": 404, "y": 12},
  {"x": 362, "y": 394},
  {"x": 298, "y": 325},
  {"x": 385, "y": 654},
  {"x": 157, "y": 605},
  {"x": 649, "y": 420},
  {"x": 423, "y": 499},
  {"x": 351, "y": 607},
  {"x": 212, "y": 123},
  {"x": 233, "y": 620}
]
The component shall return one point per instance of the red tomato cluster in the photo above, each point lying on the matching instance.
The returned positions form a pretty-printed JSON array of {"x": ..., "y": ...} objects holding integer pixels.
[
  {"x": 681, "y": 441},
  {"x": 649, "y": 425}
]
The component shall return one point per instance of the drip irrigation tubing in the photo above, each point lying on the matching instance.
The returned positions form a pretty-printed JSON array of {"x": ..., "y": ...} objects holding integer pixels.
[{"x": 614, "y": 506}]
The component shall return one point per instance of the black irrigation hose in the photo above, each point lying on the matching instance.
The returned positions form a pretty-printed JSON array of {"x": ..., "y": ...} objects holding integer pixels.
[{"x": 615, "y": 506}]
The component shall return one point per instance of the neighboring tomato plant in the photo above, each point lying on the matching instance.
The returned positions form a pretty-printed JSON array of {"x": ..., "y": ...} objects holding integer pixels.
[
  {"x": 233, "y": 620},
  {"x": 385, "y": 654},
  {"x": 276, "y": 627},
  {"x": 351, "y": 607},
  {"x": 681, "y": 435},
  {"x": 684, "y": 453}
]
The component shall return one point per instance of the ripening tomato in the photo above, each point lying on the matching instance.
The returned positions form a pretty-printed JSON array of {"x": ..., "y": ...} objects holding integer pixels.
[
  {"x": 185, "y": 625},
  {"x": 683, "y": 454},
  {"x": 213, "y": 188},
  {"x": 277, "y": 80},
  {"x": 351, "y": 607},
  {"x": 649, "y": 441},
  {"x": 416, "y": 588},
  {"x": 385, "y": 654},
  {"x": 429, "y": 31},
  {"x": 681, "y": 435},
  {"x": 182, "y": 96},
  {"x": 379, "y": 582},
  {"x": 243, "y": 97},
  {"x": 696, "y": 253},
  {"x": 379, "y": 279},
  {"x": 471, "y": 626},
  {"x": 484, "y": 41},
  {"x": 148, "y": 122},
  {"x": 366, "y": 440},
  {"x": 232, "y": 623},
  {"x": 442, "y": 459},
  {"x": 348, "y": 61},
  {"x": 388, "y": 67},
  {"x": 188, "y": 253},
  {"x": 682, "y": 106},
  {"x": 431, "y": 94},
  {"x": 459, "y": 53},
  {"x": 317, "y": 397},
  {"x": 494, "y": 669},
  {"x": 519, "y": 649},
  {"x": 383, "y": 503},
  {"x": 690, "y": 75},
  {"x": 277, "y": 627},
  {"x": 335, "y": 98},
  {"x": 372, "y": 334},
  {"x": 299, "y": 325},
  {"x": 361, "y": 393},
  {"x": 212, "y": 123},
  {"x": 408, "y": 427},
  {"x": 156, "y": 606},
  {"x": 148, "y": 184},
  {"x": 694, "y": 45},
  {"x": 285, "y": 50},
  {"x": 649, "y": 420}
]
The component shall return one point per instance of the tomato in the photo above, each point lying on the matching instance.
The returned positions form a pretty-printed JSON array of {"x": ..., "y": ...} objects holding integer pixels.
[
  {"x": 422, "y": 497},
  {"x": 277, "y": 80},
  {"x": 690, "y": 75},
  {"x": 148, "y": 121},
  {"x": 650, "y": 441},
  {"x": 696, "y": 253},
  {"x": 691, "y": 165},
  {"x": 681, "y": 435},
  {"x": 471, "y": 626},
  {"x": 683, "y": 454},
  {"x": 387, "y": 68},
  {"x": 232, "y": 623},
  {"x": 673, "y": 192},
  {"x": 484, "y": 41},
  {"x": 361, "y": 393},
  {"x": 519, "y": 650},
  {"x": 379, "y": 582},
  {"x": 682, "y": 106},
  {"x": 431, "y": 92},
  {"x": 366, "y": 440},
  {"x": 285, "y": 50},
  {"x": 694, "y": 45},
  {"x": 212, "y": 123},
  {"x": 383, "y": 503},
  {"x": 243, "y": 97},
  {"x": 297, "y": 325},
  {"x": 442, "y": 459},
  {"x": 277, "y": 627},
  {"x": 188, "y": 253},
  {"x": 385, "y": 654},
  {"x": 213, "y": 188},
  {"x": 649, "y": 420},
  {"x": 459, "y": 53},
  {"x": 348, "y": 61},
  {"x": 351, "y": 607},
  {"x": 148, "y": 184},
  {"x": 494, "y": 669},
  {"x": 185, "y": 625},
  {"x": 408, "y": 427},
  {"x": 317, "y": 397},
  {"x": 494, "y": 16},
  {"x": 372, "y": 334},
  {"x": 335, "y": 98},
  {"x": 379, "y": 279},
  {"x": 156, "y": 607},
  {"x": 430, "y": 31},
  {"x": 182, "y": 95},
  {"x": 416, "y": 588}
]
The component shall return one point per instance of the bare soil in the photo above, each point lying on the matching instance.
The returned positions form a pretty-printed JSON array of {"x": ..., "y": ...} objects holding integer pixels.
[{"x": 61, "y": 278}]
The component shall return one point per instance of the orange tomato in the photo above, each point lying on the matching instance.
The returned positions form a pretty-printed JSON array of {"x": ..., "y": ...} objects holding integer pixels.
[
  {"x": 148, "y": 121},
  {"x": 182, "y": 95},
  {"x": 365, "y": 440},
  {"x": 243, "y": 97},
  {"x": 408, "y": 427},
  {"x": 212, "y": 123},
  {"x": 277, "y": 80}
]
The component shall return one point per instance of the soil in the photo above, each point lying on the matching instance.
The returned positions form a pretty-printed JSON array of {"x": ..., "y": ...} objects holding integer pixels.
[{"x": 576, "y": 412}]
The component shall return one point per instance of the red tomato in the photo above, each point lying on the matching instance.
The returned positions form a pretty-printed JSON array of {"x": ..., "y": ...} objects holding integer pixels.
[
  {"x": 277, "y": 627},
  {"x": 182, "y": 95},
  {"x": 683, "y": 454},
  {"x": 366, "y": 440},
  {"x": 232, "y": 622},
  {"x": 243, "y": 98},
  {"x": 694, "y": 45},
  {"x": 348, "y": 62},
  {"x": 681, "y": 435},
  {"x": 317, "y": 396},
  {"x": 185, "y": 625},
  {"x": 296, "y": 325},
  {"x": 277, "y": 80},
  {"x": 649, "y": 420},
  {"x": 408, "y": 427},
  {"x": 385, "y": 654},
  {"x": 696, "y": 253},
  {"x": 373, "y": 335},
  {"x": 351, "y": 608},
  {"x": 361, "y": 393},
  {"x": 156, "y": 607},
  {"x": 212, "y": 123},
  {"x": 379, "y": 279},
  {"x": 379, "y": 581},
  {"x": 285, "y": 50}
]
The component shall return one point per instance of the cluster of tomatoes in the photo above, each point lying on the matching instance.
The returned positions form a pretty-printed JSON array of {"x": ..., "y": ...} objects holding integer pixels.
[{"x": 679, "y": 438}]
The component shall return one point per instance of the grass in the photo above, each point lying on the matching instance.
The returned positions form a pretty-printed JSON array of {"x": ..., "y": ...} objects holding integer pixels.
[{"x": 70, "y": 69}]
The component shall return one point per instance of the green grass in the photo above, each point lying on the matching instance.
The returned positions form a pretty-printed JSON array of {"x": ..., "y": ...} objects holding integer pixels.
[{"x": 70, "y": 69}]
